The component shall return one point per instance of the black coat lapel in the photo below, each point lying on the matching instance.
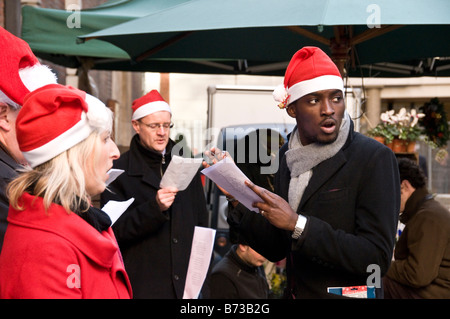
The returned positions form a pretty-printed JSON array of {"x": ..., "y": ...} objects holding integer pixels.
[{"x": 322, "y": 173}]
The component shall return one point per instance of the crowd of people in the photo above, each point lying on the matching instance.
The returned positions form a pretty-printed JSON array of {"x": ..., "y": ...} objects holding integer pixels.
[{"x": 330, "y": 211}]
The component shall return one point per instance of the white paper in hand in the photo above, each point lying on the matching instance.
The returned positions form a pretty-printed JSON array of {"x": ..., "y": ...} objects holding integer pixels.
[
  {"x": 115, "y": 209},
  {"x": 228, "y": 176},
  {"x": 113, "y": 174},
  {"x": 180, "y": 172},
  {"x": 201, "y": 252}
]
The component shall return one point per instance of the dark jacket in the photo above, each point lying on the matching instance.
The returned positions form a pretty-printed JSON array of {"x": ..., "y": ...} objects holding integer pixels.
[
  {"x": 351, "y": 203},
  {"x": 8, "y": 171},
  {"x": 232, "y": 278},
  {"x": 156, "y": 245},
  {"x": 422, "y": 253}
]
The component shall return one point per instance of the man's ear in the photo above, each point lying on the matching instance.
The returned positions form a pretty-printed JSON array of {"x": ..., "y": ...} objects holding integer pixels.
[
  {"x": 242, "y": 247},
  {"x": 406, "y": 185},
  {"x": 5, "y": 122},
  {"x": 135, "y": 125},
  {"x": 291, "y": 111}
]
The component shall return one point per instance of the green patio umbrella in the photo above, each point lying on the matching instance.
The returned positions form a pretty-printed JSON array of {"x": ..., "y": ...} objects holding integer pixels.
[
  {"x": 52, "y": 34},
  {"x": 388, "y": 38}
]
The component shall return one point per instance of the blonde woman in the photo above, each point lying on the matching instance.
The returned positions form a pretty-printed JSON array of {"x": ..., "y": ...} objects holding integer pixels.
[{"x": 57, "y": 245}]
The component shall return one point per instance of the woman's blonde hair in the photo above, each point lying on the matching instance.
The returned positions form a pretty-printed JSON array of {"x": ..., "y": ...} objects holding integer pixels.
[{"x": 61, "y": 180}]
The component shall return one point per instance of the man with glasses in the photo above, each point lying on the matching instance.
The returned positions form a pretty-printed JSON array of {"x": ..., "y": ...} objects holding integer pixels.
[{"x": 155, "y": 233}]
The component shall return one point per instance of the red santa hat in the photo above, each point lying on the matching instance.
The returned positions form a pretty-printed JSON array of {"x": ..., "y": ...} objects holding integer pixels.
[
  {"x": 149, "y": 103},
  {"x": 309, "y": 70},
  {"x": 54, "y": 118},
  {"x": 20, "y": 71}
]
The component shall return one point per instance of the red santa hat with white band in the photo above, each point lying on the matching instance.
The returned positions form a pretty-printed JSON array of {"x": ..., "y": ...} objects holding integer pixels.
[
  {"x": 310, "y": 70},
  {"x": 20, "y": 71},
  {"x": 54, "y": 118},
  {"x": 149, "y": 103}
]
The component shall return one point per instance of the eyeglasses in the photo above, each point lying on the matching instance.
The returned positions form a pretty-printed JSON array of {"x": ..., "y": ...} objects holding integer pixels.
[{"x": 155, "y": 126}]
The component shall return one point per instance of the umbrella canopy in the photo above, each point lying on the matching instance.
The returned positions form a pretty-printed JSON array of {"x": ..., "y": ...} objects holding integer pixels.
[
  {"x": 396, "y": 38},
  {"x": 52, "y": 34}
]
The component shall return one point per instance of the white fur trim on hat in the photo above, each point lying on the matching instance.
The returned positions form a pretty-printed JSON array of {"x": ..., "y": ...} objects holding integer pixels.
[
  {"x": 37, "y": 76},
  {"x": 324, "y": 82},
  {"x": 98, "y": 115},
  {"x": 150, "y": 108},
  {"x": 61, "y": 143}
]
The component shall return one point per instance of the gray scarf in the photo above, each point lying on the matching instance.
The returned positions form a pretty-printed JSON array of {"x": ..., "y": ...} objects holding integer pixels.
[{"x": 302, "y": 159}]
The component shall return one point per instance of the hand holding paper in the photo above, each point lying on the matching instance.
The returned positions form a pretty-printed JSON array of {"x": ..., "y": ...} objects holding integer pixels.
[
  {"x": 180, "y": 172},
  {"x": 228, "y": 176},
  {"x": 165, "y": 197}
]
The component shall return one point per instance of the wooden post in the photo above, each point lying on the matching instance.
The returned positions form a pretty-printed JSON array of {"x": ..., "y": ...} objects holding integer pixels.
[{"x": 164, "y": 86}]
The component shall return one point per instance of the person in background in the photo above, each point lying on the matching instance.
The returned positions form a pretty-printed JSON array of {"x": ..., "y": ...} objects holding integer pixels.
[
  {"x": 57, "y": 245},
  {"x": 329, "y": 216},
  {"x": 20, "y": 73},
  {"x": 155, "y": 233},
  {"x": 257, "y": 155},
  {"x": 422, "y": 253},
  {"x": 239, "y": 274}
]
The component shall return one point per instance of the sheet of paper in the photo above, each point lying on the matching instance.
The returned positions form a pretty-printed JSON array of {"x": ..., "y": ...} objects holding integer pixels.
[
  {"x": 228, "y": 176},
  {"x": 180, "y": 172},
  {"x": 113, "y": 174},
  {"x": 201, "y": 252},
  {"x": 115, "y": 209}
]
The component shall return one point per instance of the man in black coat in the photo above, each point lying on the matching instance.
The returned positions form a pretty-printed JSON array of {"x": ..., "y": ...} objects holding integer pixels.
[
  {"x": 335, "y": 211},
  {"x": 20, "y": 73},
  {"x": 240, "y": 273},
  {"x": 155, "y": 233}
]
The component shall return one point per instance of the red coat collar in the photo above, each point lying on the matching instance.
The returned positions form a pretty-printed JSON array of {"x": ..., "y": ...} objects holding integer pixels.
[{"x": 99, "y": 247}]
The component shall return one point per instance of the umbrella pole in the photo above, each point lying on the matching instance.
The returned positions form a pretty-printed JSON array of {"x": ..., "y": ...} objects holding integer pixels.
[
  {"x": 340, "y": 56},
  {"x": 340, "y": 47}
]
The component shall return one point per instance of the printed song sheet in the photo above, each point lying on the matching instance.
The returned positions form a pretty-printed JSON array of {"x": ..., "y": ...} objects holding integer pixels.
[
  {"x": 180, "y": 172},
  {"x": 228, "y": 176},
  {"x": 113, "y": 174},
  {"x": 115, "y": 209},
  {"x": 201, "y": 252}
]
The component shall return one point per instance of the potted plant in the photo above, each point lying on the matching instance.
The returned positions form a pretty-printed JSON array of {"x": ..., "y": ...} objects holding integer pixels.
[
  {"x": 409, "y": 131},
  {"x": 399, "y": 128},
  {"x": 384, "y": 133}
]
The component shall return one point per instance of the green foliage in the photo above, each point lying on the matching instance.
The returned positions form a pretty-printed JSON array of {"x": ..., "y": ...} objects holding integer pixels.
[{"x": 435, "y": 123}]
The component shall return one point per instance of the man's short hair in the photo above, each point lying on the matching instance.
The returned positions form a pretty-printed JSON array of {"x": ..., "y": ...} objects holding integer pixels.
[{"x": 410, "y": 171}]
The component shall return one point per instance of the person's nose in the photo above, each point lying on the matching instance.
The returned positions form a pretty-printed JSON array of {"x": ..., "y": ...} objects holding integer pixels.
[
  {"x": 327, "y": 108},
  {"x": 161, "y": 130},
  {"x": 115, "y": 153}
]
